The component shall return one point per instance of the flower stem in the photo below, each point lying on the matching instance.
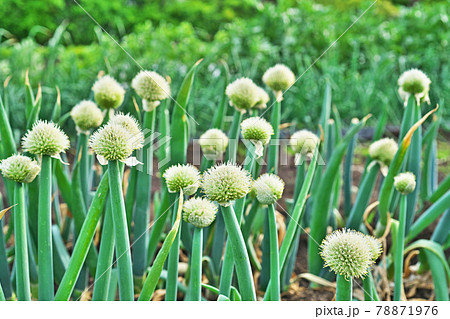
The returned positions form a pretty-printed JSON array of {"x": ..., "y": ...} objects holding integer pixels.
[
  {"x": 343, "y": 288},
  {"x": 84, "y": 166},
  {"x": 126, "y": 289},
  {"x": 2, "y": 295},
  {"x": 398, "y": 265},
  {"x": 195, "y": 286},
  {"x": 274, "y": 265},
  {"x": 242, "y": 262},
  {"x": 45, "y": 248},
  {"x": 20, "y": 237}
]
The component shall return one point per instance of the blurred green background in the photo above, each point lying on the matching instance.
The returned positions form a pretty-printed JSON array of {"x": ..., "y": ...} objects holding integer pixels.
[{"x": 61, "y": 46}]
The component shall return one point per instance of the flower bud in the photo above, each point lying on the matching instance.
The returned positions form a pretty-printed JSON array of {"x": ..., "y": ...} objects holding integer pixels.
[
  {"x": 151, "y": 87},
  {"x": 132, "y": 126},
  {"x": 19, "y": 168},
  {"x": 213, "y": 142},
  {"x": 45, "y": 138},
  {"x": 108, "y": 93},
  {"x": 243, "y": 94},
  {"x": 86, "y": 116},
  {"x": 112, "y": 142},
  {"x": 199, "y": 212},
  {"x": 257, "y": 129},
  {"x": 225, "y": 183},
  {"x": 269, "y": 188},
  {"x": 279, "y": 78},
  {"x": 405, "y": 183},
  {"x": 383, "y": 150},
  {"x": 304, "y": 142},
  {"x": 182, "y": 177}
]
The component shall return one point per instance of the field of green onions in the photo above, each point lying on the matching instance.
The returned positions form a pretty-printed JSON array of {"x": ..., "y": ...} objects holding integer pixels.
[{"x": 133, "y": 207}]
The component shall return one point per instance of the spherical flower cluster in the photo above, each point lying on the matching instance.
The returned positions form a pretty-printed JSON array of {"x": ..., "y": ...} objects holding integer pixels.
[
  {"x": 374, "y": 247},
  {"x": 405, "y": 183},
  {"x": 263, "y": 98},
  {"x": 213, "y": 142},
  {"x": 182, "y": 177},
  {"x": 112, "y": 142},
  {"x": 279, "y": 78},
  {"x": 349, "y": 253},
  {"x": 269, "y": 188},
  {"x": 151, "y": 87},
  {"x": 383, "y": 150},
  {"x": 132, "y": 126},
  {"x": 257, "y": 129},
  {"x": 243, "y": 94},
  {"x": 19, "y": 168},
  {"x": 304, "y": 142},
  {"x": 415, "y": 82},
  {"x": 108, "y": 93},
  {"x": 86, "y": 115},
  {"x": 45, "y": 138},
  {"x": 199, "y": 212},
  {"x": 225, "y": 183}
]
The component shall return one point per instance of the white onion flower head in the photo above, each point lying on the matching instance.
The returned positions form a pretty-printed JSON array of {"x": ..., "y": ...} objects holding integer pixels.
[
  {"x": 263, "y": 99},
  {"x": 279, "y": 78},
  {"x": 243, "y": 94},
  {"x": 258, "y": 131},
  {"x": 184, "y": 177},
  {"x": 269, "y": 188},
  {"x": 86, "y": 115},
  {"x": 108, "y": 93},
  {"x": 213, "y": 142},
  {"x": 414, "y": 82},
  {"x": 374, "y": 247},
  {"x": 383, "y": 150},
  {"x": 199, "y": 212},
  {"x": 19, "y": 168},
  {"x": 45, "y": 138},
  {"x": 225, "y": 183},
  {"x": 304, "y": 142},
  {"x": 151, "y": 87},
  {"x": 405, "y": 183},
  {"x": 347, "y": 253},
  {"x": 132, "y": 126}
]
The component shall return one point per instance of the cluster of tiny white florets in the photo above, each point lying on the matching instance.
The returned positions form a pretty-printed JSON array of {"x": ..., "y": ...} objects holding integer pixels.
[
  {"x": 86, "y": 115},
  {"x": 151, "y": 86},
  {"x": 415, "y": 82},
  {"x": 108, "y": 93},
  {"x": 45, "y": 138},
  {"x": 279, "y": 78},
  {"x": 199, "y": 212},
  {"x": 383, "y": 150},
  {"x": 269, "y": 188},
  {"x": 182, "y": 177},
  {"x": 405, "y": 183},
  {"x": 263, "y": 98},
  {"x": 132, "y": 126},
  {"x": 257, "y": 129},
  {"x": 243, "y": 94},
  {"x": 304, "y": 142},
  {"x": 349, "y": 253},
  {"x": 225, "y": 183},
  {"x": 112, "y": 142},
  {"x": 213, "y": 143},
  {"x": 19, "y": 168}
]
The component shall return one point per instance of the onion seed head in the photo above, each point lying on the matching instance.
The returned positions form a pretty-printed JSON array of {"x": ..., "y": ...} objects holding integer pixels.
[
  {"x": 405, "y": 183},
  {"x": 45, "y": 138},
  {"x": 200, "y": 212},
  {"x": 113, "y": 142},
  {"x": 243, "y": 94},
  {"x": 257, "y": 129},
  {"x": 279, "y": 78},
  {"x": 19, "y": 168},
  {"x": 184, "y": 177},
  {"x": 304, "y": 142},
  {"x": 108, "y": 93},
  {"x": 269, "y": 188},
  {"x": 213, "y": 142},
  {"x": 383, "y": 150},
  {"x": 151, "y": 86},
  {"x": 86, "y": 115},
  {"x": 132, "y": 126}
]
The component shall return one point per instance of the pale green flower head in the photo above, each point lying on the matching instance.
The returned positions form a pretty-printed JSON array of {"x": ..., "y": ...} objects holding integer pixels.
[
  {"x": 243, "y": 94},
  {"x": 151, "y": 87},
  {"x": 184, "y": 177},
  {"x": 374, "y": 247},
  {"x": 213, "y": 142},
  {"x": 108, "y": 93},
  {"x": 263, "y": 99},
  {"x": 347, "y": 253},
  {"x": 383, "y": 150},
  {"x": 304, "y": 142},
  {"x": 225, "y": 183},
  {"x": 112, "y": 142},
  {"x": 132, "y": 126},
  {"x": 86, "y": 115},
  {"x": 414, "y": 81},
  {"x": 405, "y": 183},
  {"x": 45, "y": 138},
  {"x": 19, "y": 168},
  {"x": 199, "y": 212},
  {"x": 256, "y": 129},
  {"x": 269, "y": 188},
  {"x": 279, "y": 78}
]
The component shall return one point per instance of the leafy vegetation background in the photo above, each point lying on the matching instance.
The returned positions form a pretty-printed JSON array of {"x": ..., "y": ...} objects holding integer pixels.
[{"x": 61, "y": 46}]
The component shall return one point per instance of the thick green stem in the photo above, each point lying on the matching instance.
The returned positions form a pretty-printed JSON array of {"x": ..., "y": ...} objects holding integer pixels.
[
  {"x": 126, "y": 289},
  {"x": 5, "y": 278},
  {"x": 367, "y": 287},
  {"x": 234, "y": 137},
  {"x": 398, "y": 265},
  {"x": 20, "y": 237},
  {"x": 242, "y": 262},
  {"x": 195, "y": 285},
  {"x": 84, "y": 166},
  {"x": 45, "y": 248},
  {"x": 274, "y": 258},
  {"x": 273, "y": 152},
  {"x": 343, "y": 288}
]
